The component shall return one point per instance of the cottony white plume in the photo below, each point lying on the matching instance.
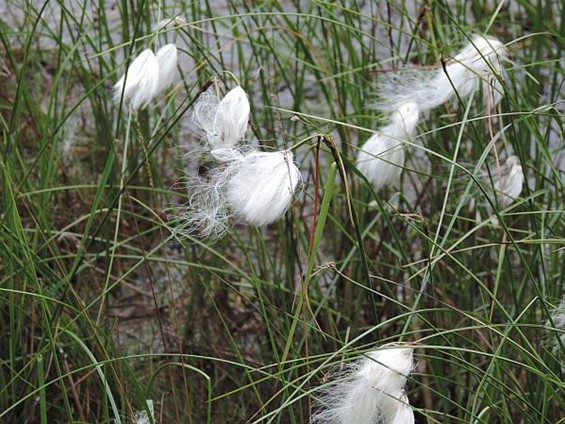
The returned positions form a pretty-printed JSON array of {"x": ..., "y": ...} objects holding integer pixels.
[
  {"x": 147, "y": 76},
  {"x": 404, "y": 414},
  {"x": 260, "y": 186},
  {"x": 477, "y": 64},
  {"x": 167, "y": 57},
  {"x": 207, "y": 212},
  {"x": 256, "y": 187},
  {"x": 508, "y": 181},
  {"x": 222, "y": 123},
  {"x": 230, "y": 123},
  {"x": 381, "y": 158},
  {"x": 372, "y": 392},
  {"x": 509, "y": 185},
  {"x": 139, "y": 83}
]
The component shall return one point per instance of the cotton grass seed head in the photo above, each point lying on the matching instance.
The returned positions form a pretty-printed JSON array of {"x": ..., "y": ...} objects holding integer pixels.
[
  {"x": 222, "y": 123},
  {"x": 167, "y": 57},
  {"x": 147, "y": 76},
  {"x": 477, "y": 65},
  {"x": 371, "y": 391},
  {"x": 255, "y": 187},
  {"x": 139, "y": 83},
  {"x": 261, "y": 186},
  {"x": 381, "y": 158},
  {"x": 511, "y": 181},
  {"x": 481, "y": 52},
  {"x": 404, "y": 119},
  {"x": 232, "y": 116}
]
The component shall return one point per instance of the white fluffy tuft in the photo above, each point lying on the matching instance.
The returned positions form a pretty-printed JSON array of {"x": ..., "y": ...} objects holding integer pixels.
[
  {"x": 372, "y": 391},
  {"x": 255, "y": 187},
  {"x": 261, "y": 186},
  {"x": 147, "y": 76},
  {"x": 381, "y": 158},
  {"x": 477, "y": 64},
  {"x": 410, "y": 86},
  {"x": 206, "y": 213},
  {"x": 141, "y": 83},
  {"x": 204, "y": 114},
  {"x": 222, "y": 123},
  {"x": 167, "y": 58},
  {"x": 510, "y": 184},
  {"x": 232, "y": 116}
]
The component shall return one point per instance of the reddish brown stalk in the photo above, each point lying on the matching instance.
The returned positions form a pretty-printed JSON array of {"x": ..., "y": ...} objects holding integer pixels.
[{"x": 316, "y": 196}]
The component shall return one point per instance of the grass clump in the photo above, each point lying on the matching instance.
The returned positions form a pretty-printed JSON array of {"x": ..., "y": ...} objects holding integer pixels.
[{"x": 111, "y": 315}]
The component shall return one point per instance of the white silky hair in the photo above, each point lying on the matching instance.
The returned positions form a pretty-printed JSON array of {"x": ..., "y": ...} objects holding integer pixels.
[
  {"x": 206, "y": 212},
  {"x": 232, "y": 116},
  {"x": 381, "y": 158},
  {"x": 510, "y": 183},
  {"x": 370, "y": 391},
  {"x": 405, "y": 118},
  {"x": 167, "y": 57},
  {"x": 403, "y": 413},
  {"x": 254, "y": 187},
  {"x": 228, "y": 154},
  {"x": 410, "y": 86},
  {"x": 142, "y": 80},
  {"x": 476, "y": 65},
  {"x": 222, "y": 123},
  {"x": 147, "y": 76},
  {"x": 507, "y": 183},
  {"x": 261, "y": 185},
  {"x": 204, "y": 114}
]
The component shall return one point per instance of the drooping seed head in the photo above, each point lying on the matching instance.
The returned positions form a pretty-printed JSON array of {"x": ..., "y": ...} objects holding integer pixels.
[{"x": 139, "y": 84}]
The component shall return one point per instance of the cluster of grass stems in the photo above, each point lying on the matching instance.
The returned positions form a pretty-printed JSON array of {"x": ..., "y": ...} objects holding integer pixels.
[{"x": 248, "y": 328}]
